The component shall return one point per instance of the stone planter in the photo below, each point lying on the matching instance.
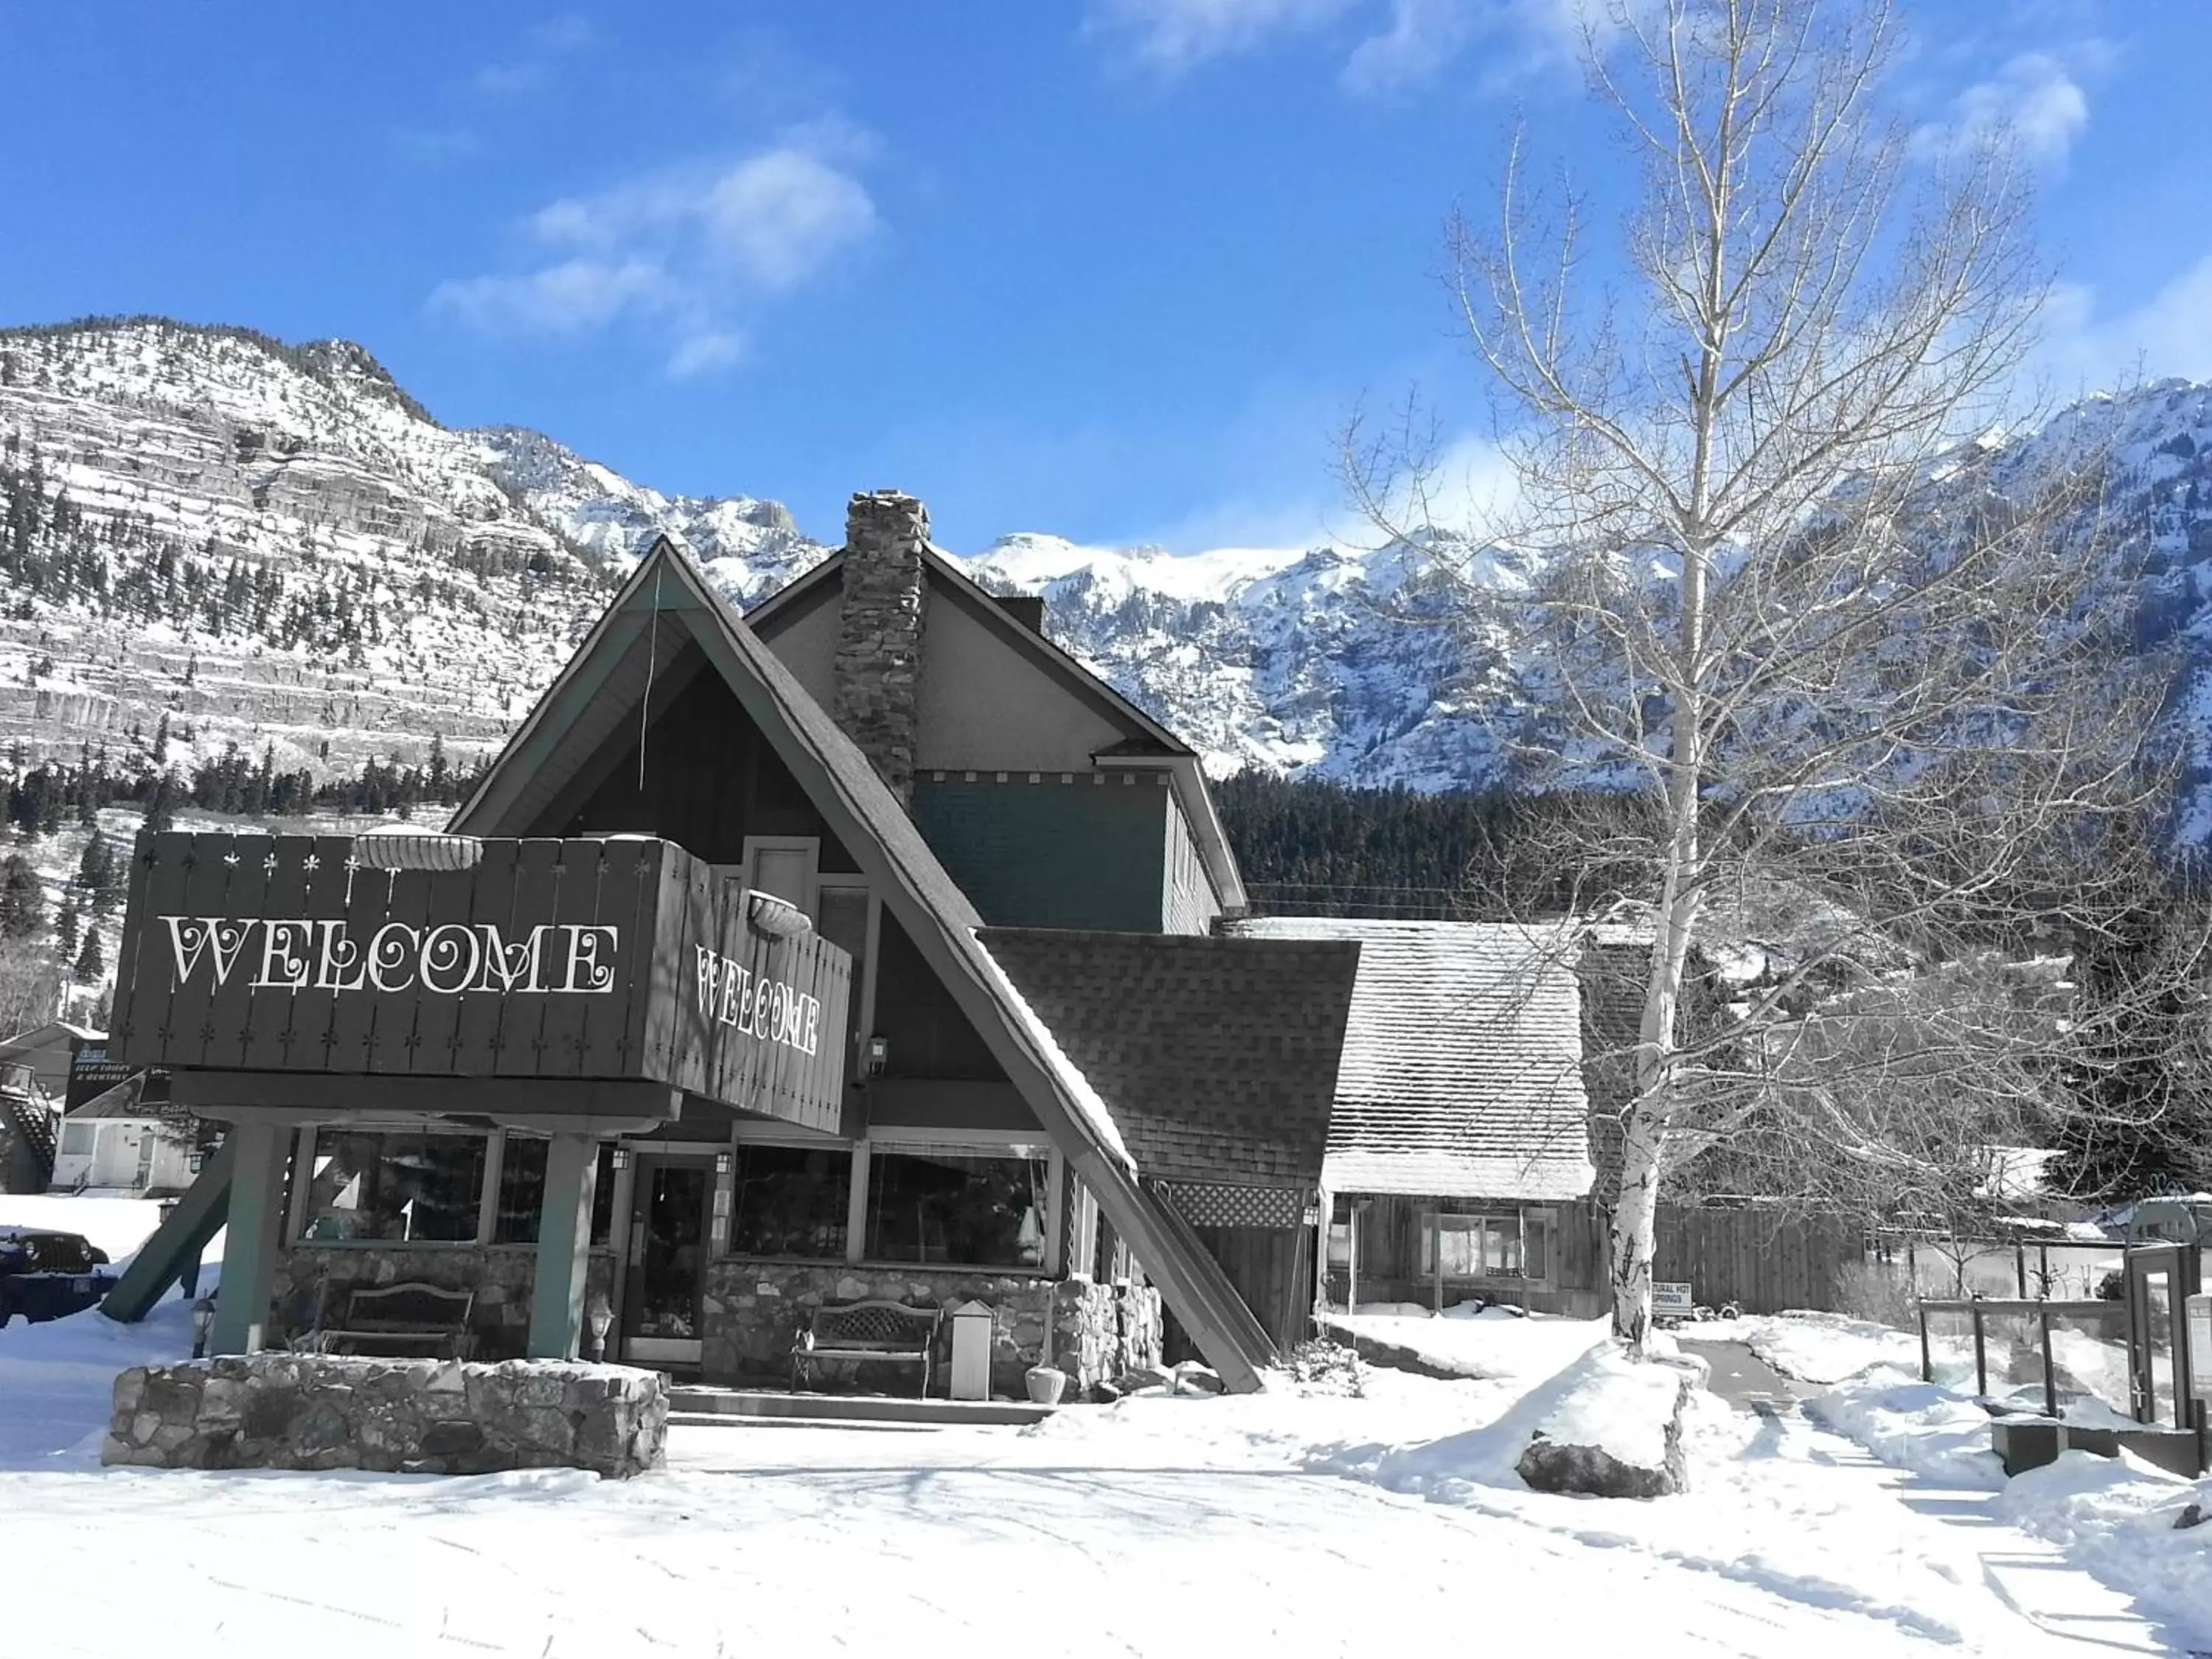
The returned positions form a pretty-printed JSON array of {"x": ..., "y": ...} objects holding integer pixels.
[
  {"x": 286, "y": 1411},
  {"x": 1045, "y": 1384}
]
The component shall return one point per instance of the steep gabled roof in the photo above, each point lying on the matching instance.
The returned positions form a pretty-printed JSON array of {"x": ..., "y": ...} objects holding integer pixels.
[
  {"x": 1062, "y": 665},
  {"x": 666, "y": 604},
  {"x": 1148, "y": 740},
  {"x": 1461, "y": 1073},
  {"x": 1218, "y": 1057}
]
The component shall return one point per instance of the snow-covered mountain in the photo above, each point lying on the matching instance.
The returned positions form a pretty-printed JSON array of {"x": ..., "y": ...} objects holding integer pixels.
[{"x": 276, "y": 546}]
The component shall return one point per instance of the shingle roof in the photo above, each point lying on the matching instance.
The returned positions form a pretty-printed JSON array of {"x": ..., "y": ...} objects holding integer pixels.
[
  {"x": 1462, "y": 1071},
  {"x": 1218, "y": 1057}
]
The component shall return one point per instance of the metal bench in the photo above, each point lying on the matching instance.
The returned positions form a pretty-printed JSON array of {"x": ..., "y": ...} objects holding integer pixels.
[
  {"x": 397, "y": 1320},
  {"x": 867, "y": 1330}
]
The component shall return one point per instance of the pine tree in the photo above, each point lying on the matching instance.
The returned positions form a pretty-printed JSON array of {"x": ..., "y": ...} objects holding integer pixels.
[
  {"x": 162, "y": 801},
  {"x": 22, "y": 905},
  {"x": 91, "y": 964},
  {"x": 97, "y": 872},
  {"x": 67, "y": 928}
]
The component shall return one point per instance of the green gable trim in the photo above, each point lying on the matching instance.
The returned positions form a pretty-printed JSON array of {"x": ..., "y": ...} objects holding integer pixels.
[{"x": 1011, "y": 845}]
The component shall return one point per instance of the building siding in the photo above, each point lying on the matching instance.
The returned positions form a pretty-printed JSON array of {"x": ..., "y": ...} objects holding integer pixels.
[
  {"x": 1077, "y": 850},
  {"x": 1192, "y": 903}
]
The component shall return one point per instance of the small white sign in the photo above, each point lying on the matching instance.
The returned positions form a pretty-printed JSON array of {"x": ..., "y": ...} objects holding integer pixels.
[{"x": 1672, "y": 1300}]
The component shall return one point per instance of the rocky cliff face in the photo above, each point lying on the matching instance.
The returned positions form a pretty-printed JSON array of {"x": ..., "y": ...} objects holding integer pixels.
[{"x": 277, "y": 546}]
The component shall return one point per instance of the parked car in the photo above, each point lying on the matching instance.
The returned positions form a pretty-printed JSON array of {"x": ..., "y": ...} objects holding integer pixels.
[{"x": 46, "y": 1274}]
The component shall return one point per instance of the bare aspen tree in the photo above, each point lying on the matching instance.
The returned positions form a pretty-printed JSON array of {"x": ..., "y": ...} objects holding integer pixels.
[{"x": 1863, "y": 690}]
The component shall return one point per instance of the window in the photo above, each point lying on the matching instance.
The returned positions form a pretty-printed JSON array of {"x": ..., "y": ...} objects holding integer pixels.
[
  {"x": 783, "y": 865},
  {"x": 77, "y": 1139},
  {"x": 522, "y": 1193},
  {"x": 413, "y": 1188},
  {"x": 955, "y": 1207},
  {"x": 1485, "y": 1246},
  {"x": 791, "y": 1200},
  {"x": 1339, "y": 1243}
]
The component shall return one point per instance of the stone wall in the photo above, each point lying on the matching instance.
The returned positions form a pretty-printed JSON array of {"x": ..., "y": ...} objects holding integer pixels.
[
  {"x": 1097, "y": 1331},
  {"x": 283, "y": 1411},
  {"x": 503, "y": 1276},
  {"x": 877, "y": 667}
]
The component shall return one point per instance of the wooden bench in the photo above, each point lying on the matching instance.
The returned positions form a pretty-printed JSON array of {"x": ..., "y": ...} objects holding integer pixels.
[
  {"x": 395, "y": 1320},
  {"x": 867, "y": 1330}
]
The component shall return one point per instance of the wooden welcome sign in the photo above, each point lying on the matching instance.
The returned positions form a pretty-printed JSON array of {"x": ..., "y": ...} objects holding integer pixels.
[{"x": 624, "y": 958}]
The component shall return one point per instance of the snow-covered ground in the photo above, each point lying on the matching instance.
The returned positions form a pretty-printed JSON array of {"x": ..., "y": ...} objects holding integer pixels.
[
  {"x": 1308, "y": 1519},
  {"x": 1474, "y": 1341}
]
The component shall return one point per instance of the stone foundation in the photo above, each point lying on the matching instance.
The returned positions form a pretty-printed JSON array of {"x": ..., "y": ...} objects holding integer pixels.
[
  {"x": 1097, "y": 1332},
  {"x": 503, "y": 1276},
  {"x": 280, "y": 1411}
]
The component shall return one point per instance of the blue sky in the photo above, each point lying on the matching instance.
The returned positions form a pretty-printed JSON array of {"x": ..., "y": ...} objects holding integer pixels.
[{"x": 1114, "y": 268}]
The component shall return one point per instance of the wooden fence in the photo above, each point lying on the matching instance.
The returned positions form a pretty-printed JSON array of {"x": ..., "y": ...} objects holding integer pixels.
[{"x": 1763, "y": 1261}]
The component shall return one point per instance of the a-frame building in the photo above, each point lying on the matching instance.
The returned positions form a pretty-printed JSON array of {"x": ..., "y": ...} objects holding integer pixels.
[{"x": 1042, "y": 1110}]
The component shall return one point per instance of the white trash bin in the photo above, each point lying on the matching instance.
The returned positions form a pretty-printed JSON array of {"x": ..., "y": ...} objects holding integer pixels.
[{"x": 971, "y": 1352}]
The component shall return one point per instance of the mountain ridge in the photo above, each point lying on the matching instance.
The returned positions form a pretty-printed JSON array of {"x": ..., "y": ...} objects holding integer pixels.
[{"x": 352, "y": 577}]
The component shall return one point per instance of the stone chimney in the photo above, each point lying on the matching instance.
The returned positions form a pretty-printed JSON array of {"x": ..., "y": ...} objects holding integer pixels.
[{"x": 879, "y": 664}]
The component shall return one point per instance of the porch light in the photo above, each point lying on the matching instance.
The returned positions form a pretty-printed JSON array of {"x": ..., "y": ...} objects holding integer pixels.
[
  {"x": 877, "y": 1057},
  {"x": 194, "y": 1160},
  {"x": 724, "y": 1162},
  {"x": 775, "y": 917},
  {"x": 619, "y": 1158},
  {"x": 415, "y": 849}
]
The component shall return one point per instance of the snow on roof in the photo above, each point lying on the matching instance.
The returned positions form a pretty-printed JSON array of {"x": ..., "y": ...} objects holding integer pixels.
[{"x": 1462, "y": 1073}]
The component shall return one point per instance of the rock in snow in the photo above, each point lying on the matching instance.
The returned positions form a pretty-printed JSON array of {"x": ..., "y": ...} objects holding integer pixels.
[{"x": 1614, "y": 1429}]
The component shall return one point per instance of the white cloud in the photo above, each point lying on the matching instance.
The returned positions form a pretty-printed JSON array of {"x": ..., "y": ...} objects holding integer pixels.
[
  {"x": 1424, "y": 36},
  {"x": 705, "y": 354},
  {"x": 2168, "y": 334},
  {"x": 1174, "y": 35},
  {"x": 686, "y": 246},
  {"x": 779, "y": 218},
  {"x": 572, "y": 297},
  {"x": 2035, "y": 100}
]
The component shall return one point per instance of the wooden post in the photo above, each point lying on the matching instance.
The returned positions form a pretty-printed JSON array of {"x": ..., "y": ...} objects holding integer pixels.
[
  {"x": 2019, "y": 1266},
  {"x": 249, "y": 1255},
  {"x": 2049, "y": 1372},
  {"x": 856, "y": 1205},
  {"x": 1437, "y": 1254},
  {"x": 1981, "y": 1354},
  {"x": 564, "y": 1235},
  {"x": 1351, "y": 1258}
]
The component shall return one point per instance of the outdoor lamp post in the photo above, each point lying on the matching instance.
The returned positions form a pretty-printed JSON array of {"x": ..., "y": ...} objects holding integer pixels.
[{"x": 203, "y": 1322}]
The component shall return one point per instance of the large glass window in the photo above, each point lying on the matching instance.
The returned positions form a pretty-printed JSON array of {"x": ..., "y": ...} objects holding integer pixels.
[
  {"x": 791, "y": 1200},
  {"x": 411, "y": 1188},
  {"x": 522, "y": 1193},
  {"x": 969, "y": 1211},
  {"x": 1484, "y": 1246}
]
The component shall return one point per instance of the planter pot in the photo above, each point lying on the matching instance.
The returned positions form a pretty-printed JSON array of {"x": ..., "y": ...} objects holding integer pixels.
[{"x": 1046, "y": 1384}]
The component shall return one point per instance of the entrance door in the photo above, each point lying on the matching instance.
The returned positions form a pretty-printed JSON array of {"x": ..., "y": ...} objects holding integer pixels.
[
  {"x": 667, "y": 1258},
  {"x": 2160, "y": 1278}
]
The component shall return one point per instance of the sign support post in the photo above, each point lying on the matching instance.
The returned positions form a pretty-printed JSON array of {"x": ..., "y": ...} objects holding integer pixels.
[
  {"x": 249, "y": 1252},
  {"x": 564, "y": 1233}
]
